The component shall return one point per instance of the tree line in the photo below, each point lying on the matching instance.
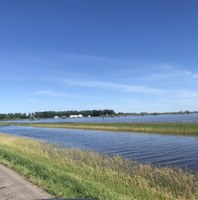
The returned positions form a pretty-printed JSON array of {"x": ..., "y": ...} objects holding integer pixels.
[
  {"x": 13, "y": 116},
  {"x": 52, "y": 114},
  {"x": 84, "y": 113}
]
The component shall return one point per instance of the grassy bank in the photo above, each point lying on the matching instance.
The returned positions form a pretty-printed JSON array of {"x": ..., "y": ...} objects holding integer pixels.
[
  {"x": 80, "y": 174},
  {"x": 164, "y": 128}
]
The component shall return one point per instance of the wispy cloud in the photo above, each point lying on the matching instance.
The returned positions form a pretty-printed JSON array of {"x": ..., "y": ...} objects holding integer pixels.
[
  {"x": 37, "y": 101},
  {"x": 51, "y": 93},
  {"x": 170, "y": 74},
  {"x": 190, "y": 74},
  {"x": 186, "y": 93},
  {"x": 113, "y": 86}
]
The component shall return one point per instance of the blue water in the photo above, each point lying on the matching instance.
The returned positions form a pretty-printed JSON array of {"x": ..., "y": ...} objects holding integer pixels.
[
  {"x": 146, "y": 118},
  {"x": 157, "y": 149}
]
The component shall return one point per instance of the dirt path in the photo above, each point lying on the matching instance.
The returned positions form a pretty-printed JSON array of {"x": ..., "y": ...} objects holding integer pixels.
[{"x": 16, "y": 187}]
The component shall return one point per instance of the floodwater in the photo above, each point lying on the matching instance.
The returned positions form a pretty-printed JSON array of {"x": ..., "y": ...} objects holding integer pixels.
[
  {"x": 180, "y": 151},
  {"x": 139, "y": 119}
]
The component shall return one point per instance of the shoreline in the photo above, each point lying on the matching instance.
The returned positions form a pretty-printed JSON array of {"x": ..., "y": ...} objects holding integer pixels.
[
  {"x": 184, "y": 128},
  {"x": 69, "y": 173}
]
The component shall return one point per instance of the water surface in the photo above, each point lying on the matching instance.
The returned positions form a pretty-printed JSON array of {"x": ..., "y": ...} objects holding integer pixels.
[
  {"x": 139, "y": 119},
  {"x": 158, "y": 149}
]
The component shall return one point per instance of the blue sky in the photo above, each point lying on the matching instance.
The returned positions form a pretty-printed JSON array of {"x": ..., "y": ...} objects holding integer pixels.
[{"x": 130, "y": 56}]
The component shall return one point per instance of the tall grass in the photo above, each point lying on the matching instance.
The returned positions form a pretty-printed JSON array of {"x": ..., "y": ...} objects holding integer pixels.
[
  {"x": 164, "y": 128},
  {"x": 73, "y": 173}
]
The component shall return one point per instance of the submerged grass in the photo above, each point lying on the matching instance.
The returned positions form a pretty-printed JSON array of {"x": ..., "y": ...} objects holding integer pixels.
[
  {"x": 164, "y": 128},
  {"x": 73, "y": 173}
]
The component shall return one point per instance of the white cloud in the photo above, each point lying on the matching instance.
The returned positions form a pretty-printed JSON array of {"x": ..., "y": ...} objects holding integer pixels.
[
  {"x": 36, "y": 101},
  {"x": 190, "y": 74},
  {"x": 51, "y": 93},
  {"x": 186, "y": 94},
  {"x": 167, "y": 74},
  {"x": 114, "y": 86}
]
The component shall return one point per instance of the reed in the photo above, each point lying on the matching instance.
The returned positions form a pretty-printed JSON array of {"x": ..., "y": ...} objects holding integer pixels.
[
  {"x": 70, "y": 173},
  {"x": 162, "y": 128}
]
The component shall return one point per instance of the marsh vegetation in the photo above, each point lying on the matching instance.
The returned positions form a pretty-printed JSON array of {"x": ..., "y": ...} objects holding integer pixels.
[
  {"x": 71, "y": 173},
  {"x": 163, "y": 128}
]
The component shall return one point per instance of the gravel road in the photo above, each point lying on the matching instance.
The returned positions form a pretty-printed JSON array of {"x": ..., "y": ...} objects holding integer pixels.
[{"x": 16, "y": 187}]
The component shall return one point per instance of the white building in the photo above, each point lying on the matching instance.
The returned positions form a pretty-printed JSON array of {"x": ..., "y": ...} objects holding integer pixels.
[{"x": 76, "y": 116}]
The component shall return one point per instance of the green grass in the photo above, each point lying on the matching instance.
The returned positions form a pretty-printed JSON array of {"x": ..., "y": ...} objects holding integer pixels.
[
  {"x": 73, "y": 173},
  {"x": 163, "y": 128}
]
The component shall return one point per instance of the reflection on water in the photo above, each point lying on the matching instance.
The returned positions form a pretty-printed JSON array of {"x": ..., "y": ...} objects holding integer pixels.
[{"x": 155, "y": 148}]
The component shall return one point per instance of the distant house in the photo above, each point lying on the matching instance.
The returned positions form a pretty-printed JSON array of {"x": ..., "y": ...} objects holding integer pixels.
[
  {"x": 76, "y": 116},
  {"x": 73, "y": 116},
  {"x": 56, "y": 117}
]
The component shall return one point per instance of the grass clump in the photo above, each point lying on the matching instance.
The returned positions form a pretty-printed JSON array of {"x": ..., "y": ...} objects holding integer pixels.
[
  {"x": 70, "y": 173},
  {"x": 180, "y": 128},
  {"x": 164, "y": 128}
]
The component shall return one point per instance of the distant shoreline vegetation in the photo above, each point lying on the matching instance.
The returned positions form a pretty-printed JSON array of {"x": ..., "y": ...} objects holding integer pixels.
[{"x": 84, "y": 113}]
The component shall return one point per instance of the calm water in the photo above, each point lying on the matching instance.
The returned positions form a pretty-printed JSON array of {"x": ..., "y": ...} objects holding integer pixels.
[
  {"x": 159, "y": 149},
  {"x": 146, "y": 118}
]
